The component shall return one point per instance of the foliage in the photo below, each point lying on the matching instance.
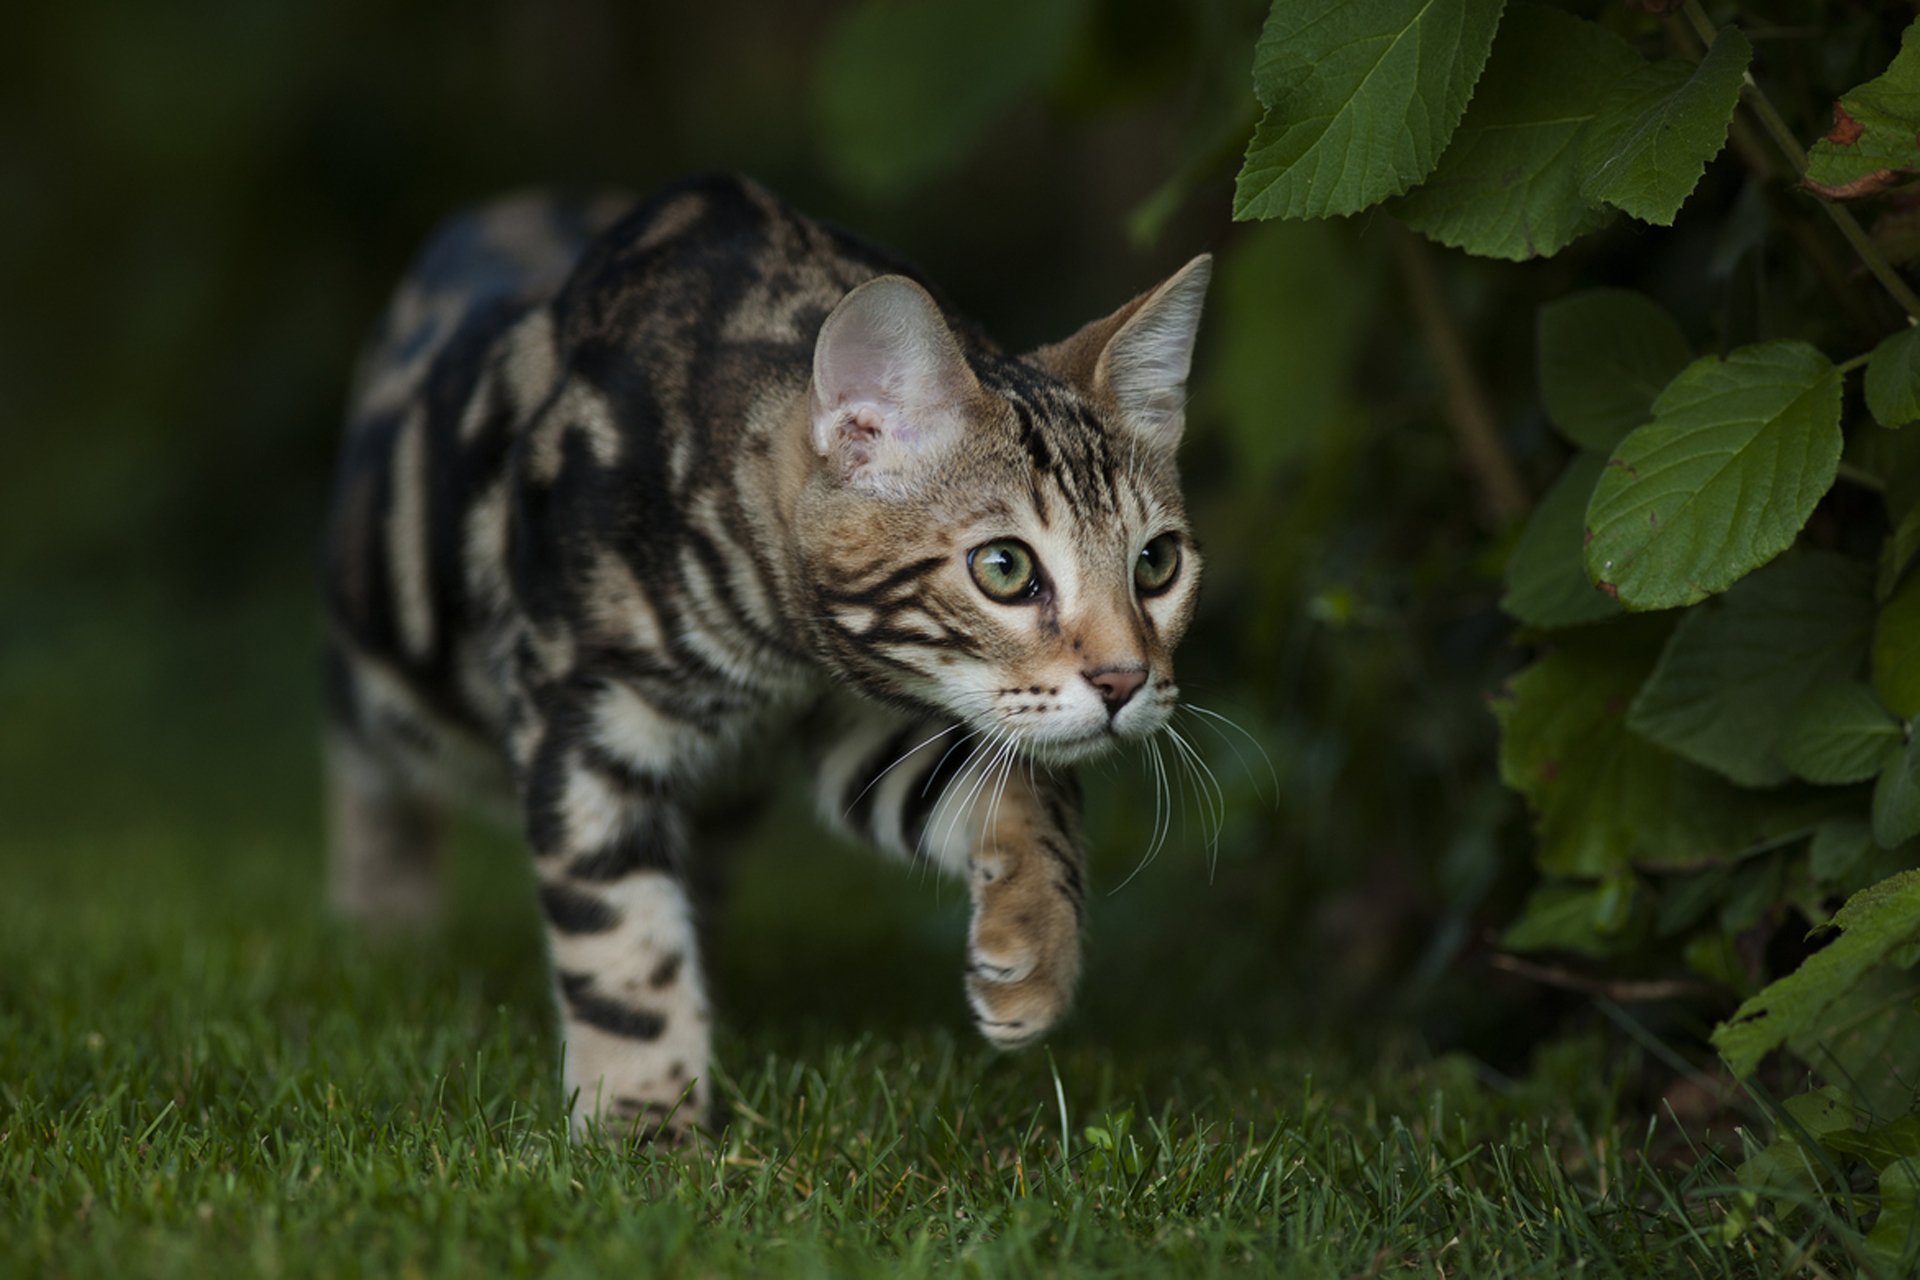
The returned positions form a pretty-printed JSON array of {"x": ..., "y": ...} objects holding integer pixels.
[{"x": 1731, "y": 644}]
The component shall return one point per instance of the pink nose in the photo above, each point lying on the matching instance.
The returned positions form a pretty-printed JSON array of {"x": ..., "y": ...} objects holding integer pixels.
[{"x": 1116, "y": 685}]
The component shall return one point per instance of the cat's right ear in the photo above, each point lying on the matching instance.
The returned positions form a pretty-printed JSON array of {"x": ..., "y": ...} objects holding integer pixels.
[{"x": 891, "y": 387}]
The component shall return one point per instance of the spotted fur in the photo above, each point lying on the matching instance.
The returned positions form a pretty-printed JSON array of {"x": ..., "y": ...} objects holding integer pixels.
[{"x": 632, "y": 492}]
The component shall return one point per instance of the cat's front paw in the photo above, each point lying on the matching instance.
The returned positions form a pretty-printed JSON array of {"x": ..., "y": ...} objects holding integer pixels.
[{"x": 1023, "y": 957}]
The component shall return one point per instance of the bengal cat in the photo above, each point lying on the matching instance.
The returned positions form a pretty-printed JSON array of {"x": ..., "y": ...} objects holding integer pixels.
[{"x": 631, "y": 494}]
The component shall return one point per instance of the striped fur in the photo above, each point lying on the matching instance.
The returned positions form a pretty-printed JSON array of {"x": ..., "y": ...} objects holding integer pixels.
[{"x": 631, "y": 492}]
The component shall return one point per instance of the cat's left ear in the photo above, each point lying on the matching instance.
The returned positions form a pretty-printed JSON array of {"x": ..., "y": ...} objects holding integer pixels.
[{"x": 1137, "y": 360}]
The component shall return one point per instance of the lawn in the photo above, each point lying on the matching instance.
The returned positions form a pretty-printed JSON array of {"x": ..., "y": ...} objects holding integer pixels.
[{"x": 200, "y": 1074}]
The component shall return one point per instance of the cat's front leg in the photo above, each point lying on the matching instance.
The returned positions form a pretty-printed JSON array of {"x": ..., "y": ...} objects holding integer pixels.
[
  {"x": 933, "y": 791},
  {"x": 609, "y": 847},
  {"x": 1027, "y": 876}
]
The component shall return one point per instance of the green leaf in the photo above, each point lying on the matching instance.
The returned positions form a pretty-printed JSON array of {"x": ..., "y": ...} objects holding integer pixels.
[
  {"x": 1896, "y": 799},
  {"x": 1893, "y": 379},
  {"x": 1721, "y": 480},
  {"x": 1873, "y": 924},
  {"x": 1736, "y": 668},
  {"x": 1508, "y": 185},
  {"x": 1605, "y": 355},
  {"x": 1658, "y": 129},
  {"x": 1790, "y": 1167},
  {"x": 902, "y": 90},
  {"x": 1547, "y": 582},
  {"x": 1604, "y": 798},
  {"x": 1594, "y": 920},
  {"x": 1872, "y": 142},
  {"x": 1895, "y": 1237},
  {"x": 1361, "y": 98},
  {"x": 1837, "y": 847},
  {"x": 1839, "y": 734},
  {"x": 1896, "y": 651}
]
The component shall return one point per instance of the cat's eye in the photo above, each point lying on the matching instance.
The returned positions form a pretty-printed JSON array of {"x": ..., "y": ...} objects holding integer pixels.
[
  {"x": 1005, "y": 569},
  {"x": 1158, "y": 565}
]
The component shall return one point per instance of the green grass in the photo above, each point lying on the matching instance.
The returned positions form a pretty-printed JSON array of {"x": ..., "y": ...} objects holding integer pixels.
[{"x": 201, "y": 1075}]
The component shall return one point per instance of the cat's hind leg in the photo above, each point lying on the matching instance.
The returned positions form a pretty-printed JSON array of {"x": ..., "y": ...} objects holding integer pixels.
[
  {"x": 385, "y": 840},
  {"x": 384, "y": 829}
]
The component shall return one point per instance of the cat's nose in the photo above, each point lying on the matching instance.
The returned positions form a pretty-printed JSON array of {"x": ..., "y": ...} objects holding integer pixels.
[{"x": 1116, "y": 684}]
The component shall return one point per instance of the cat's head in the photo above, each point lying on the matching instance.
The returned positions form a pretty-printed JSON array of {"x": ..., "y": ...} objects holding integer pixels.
[{"x": 1004, "y": 539}]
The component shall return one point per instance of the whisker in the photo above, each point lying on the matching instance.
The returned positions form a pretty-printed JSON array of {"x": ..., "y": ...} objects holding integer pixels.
[
  {"x": 1234, "y": 725},
  {"x": 895, "y": 765}
]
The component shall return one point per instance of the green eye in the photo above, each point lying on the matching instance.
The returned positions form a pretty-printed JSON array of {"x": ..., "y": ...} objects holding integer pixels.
[
  {"x": 1005, "y": 570},
  {"x": 1158, "y": 565}
]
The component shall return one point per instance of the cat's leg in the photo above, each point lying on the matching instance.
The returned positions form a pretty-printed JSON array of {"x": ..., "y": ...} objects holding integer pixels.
[
  {"x": 959, "y": 801},
  {"x": 609, "y": 836},
  {"x": 384, "y": 833}
]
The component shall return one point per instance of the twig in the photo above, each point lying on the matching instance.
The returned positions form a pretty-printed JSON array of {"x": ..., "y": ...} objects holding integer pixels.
[
  {"x": 1775, "y": 125},
  {"x": 1618, "y": 990},
  {"x": 1501, "y": 496}
]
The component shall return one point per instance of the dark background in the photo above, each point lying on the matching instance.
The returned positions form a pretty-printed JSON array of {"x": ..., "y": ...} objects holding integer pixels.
[{"x": 202, "y": 206}]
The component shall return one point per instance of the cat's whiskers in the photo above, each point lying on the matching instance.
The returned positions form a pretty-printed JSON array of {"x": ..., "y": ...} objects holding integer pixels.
[
  {"x": 1209, "y": 796},
  {"x": 905, "y": 755},
  {"x": 1212, "y": 715}
]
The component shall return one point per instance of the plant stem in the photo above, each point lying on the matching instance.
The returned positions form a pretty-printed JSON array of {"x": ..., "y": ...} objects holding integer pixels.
[
  {"x": 1496, "y": 481},
  {"x": 1783, "y": 137},
  {"x": 1848, "y": 366}
]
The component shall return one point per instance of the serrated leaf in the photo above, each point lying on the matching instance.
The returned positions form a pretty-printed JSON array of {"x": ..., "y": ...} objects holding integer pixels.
[
  {"x": 1508, "y": 185},
  {"x": 1872, "y": 143},
  {"x": 1873, "y": 924},
  {"x": 1837, "y": 847},
  {"x": 1361, "y": 98},
  {"x": 1659, "y": 128},
  {"x": 902, "y": 90},
  {"x": 1547, "y": 582},
  {"x": 1893, "y": 379},
  {"x": 1839, "y": 734},
  {"x": 1721, "y": 480},
  {"x": 1896, "y": 799},
  {"x": 1604, "y": 356},
  {"x": 1896, "y": 651},
  {"x": 1605, "y": 799},
  {"x": 1736, "y": 668}
]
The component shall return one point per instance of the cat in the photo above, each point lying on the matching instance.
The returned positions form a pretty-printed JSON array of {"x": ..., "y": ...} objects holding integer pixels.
[{"x": 632, "y": 493}]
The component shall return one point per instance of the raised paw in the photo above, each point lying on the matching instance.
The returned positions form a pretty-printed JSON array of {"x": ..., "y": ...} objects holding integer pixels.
[{"x": 1023, "y": 958}]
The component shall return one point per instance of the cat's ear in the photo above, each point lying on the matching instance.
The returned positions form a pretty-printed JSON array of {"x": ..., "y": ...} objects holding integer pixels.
[
  {"x": 891, "y": 388},
  {"x": 1137, "y": 359}
]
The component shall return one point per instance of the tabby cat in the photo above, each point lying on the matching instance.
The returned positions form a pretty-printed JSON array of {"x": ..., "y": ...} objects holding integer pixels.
[{"x": 632, "y": 493}]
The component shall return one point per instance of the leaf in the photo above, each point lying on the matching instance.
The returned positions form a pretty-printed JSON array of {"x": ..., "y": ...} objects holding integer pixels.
[
  {"x": 1547, "y": 582},
  {"x": 1605, "y": 355},
  {"x": 1586, "y": 919},
  {"x": 1652, "y": 141},
  {"x": 1839, "y": 734},
  {"x": 1872, "y": 142},
  {"x": 1896, "y": 799},
  {"x": 1361, "y": 98},
  {"x": 902, "y": 90},
  {"x": 1873, "y": 924},
  {"x": 1896, "y": 651},
  {"x": 1787, "y": 1168},
  {"x": 1838, "y": 845},
  {"x": 1735, "y": 669},
  {"x": 1721, "y": 480},
  {"x": 1893, "y": 379},
  {"x": 1895, "y": 1237},
  {"x": 1508, "y": 185},
  {"x": 1604, "y": 798}
]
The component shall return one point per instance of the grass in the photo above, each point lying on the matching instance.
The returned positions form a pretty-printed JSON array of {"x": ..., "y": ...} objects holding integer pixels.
[{"x": 201, "y": 1075}]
